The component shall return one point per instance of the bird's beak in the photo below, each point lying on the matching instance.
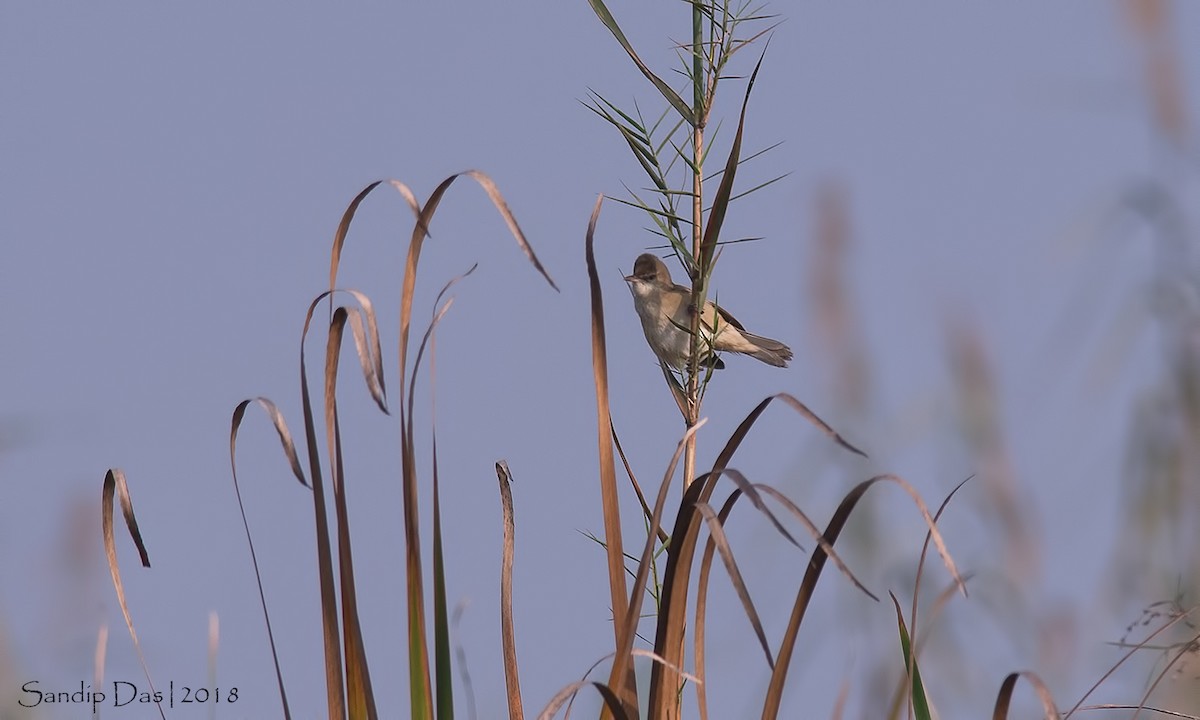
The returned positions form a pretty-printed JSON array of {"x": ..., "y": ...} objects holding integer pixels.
[{"x": 630, "y": 278}]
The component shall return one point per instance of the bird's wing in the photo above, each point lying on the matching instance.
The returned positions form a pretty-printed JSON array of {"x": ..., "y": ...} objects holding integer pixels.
[{"x": 729, "y": 318}]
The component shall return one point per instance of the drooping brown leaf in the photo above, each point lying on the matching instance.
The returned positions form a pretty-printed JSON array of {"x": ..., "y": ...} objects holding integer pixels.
[
  {"x": 114, "y": 483},
  {"x": 335, "y": 696},
  {"x": 289, "y": 449},
  {"x": 360, "y": 697},
  {"x": 1000, "y": 712}
]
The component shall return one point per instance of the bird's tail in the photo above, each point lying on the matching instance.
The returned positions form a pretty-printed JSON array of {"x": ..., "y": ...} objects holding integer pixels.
[{"x": 772, "y": 352}]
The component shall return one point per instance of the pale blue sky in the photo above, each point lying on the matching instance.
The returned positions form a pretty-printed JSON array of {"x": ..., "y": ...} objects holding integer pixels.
[{"x": 170, "y": 184}]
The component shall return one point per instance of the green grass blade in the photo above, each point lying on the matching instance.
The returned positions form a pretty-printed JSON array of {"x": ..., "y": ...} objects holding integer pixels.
[
  {"x": 664, "y": 89},
  {"x": 716, "y": 216},
  {"x": 920, "y": 703}
]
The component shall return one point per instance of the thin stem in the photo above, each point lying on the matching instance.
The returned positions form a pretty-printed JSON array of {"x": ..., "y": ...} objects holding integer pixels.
[{"x": 699, "y": 273}]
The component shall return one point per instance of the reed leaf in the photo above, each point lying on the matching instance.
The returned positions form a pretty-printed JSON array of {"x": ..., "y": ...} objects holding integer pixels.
[
  {"x": 114, "y": 484},
  {"x": 622, "y": 676},
  {"x": 512, "y": 681},
  {"x": 1004, "y": 697},
  {"x": 289, "y": 449}
]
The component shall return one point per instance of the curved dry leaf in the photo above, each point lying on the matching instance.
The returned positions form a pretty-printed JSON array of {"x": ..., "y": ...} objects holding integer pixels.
[
  {"x": 331, "y": 632},
  {"x": 735, "y": 440},
  {"x": 567, "y": 694},
  {"x": 372, "y": 372},
  {"x": 281, "y": 428},
  {"x": 1006, "y": 690},
  {"x": 717, "y": 536},
  {"x": 359, "y": 693},
  {"x": 787, "y": 647},
  {"x": 817, "y": 535},
  {"x": 366, "y": 341},
  {"x": 921, "y": 562},
  {"x": 114, "y": 483},
  {"x": 611, "y": 702},
  {"x": 930, "y": 523},
  {"x": 289, "y": 448},
  {"x": 339, "y": 237}
]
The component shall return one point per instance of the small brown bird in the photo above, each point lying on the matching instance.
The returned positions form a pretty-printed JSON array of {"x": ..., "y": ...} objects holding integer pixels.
[{"x": 663, "y": 307}]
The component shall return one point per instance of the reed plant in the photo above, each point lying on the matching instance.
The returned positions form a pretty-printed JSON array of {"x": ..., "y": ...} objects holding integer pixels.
[{"x": 687, "y": 215}]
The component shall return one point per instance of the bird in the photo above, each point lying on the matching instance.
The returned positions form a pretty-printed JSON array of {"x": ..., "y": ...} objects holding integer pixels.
[{"x": 664, "y": 309}]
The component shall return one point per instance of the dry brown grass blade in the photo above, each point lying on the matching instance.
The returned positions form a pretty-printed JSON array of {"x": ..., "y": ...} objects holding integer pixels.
[
  {"x": 735, "y": 440},
  {"x": 567, "y": 694},
  {"x": 628, "y": 628},
  {"x": 934, "y": 534},
  {"x": 813, "y": 574},
  {"x": 684, "y": 536},
  {"x": 512, "y": 680},
  {"x": 698, "y": 632},
  {"x": 612, "y": 704},
  {"x": 289, "y": 449},
  {"x": 331, "y": 634},
  {"x": 339, "y": 238},
  {"x": 366, "y": 343},
  {"x": 814, "y": 531},
  {"x": 418, "y": 239},
  {"x": 360, "y": 698},
  {"x": 622, "y": 676},
  {"x": 418, "y": 653},
  {"x": 114, "y": 483},
  {"x": 719, "y": 542},
  {"x": 1050, "y": 712},
  {"x": 281, "y": 428},
  {"x": 637, "y": 488}
]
